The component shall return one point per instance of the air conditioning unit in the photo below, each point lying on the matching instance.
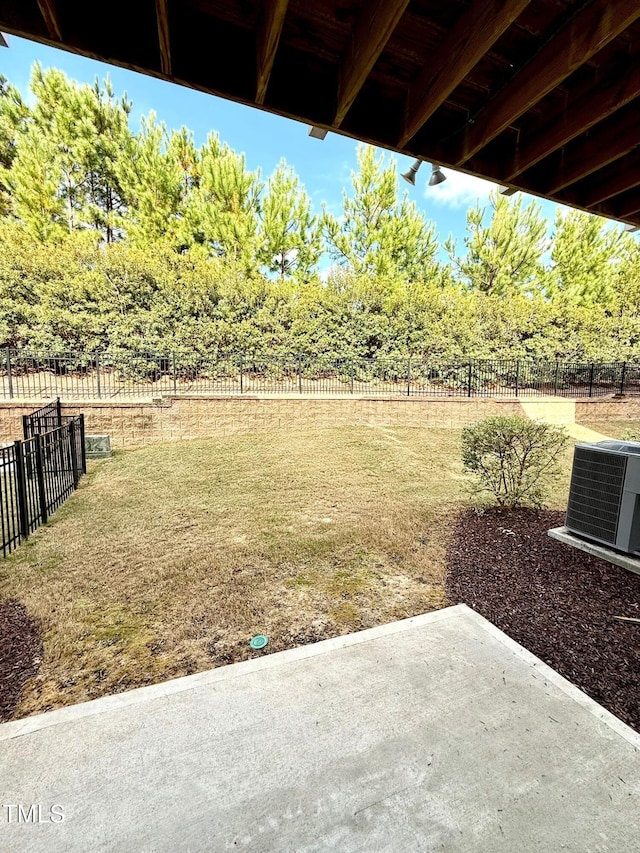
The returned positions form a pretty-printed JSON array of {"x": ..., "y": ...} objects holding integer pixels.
[{"x": 603, "y": 496}]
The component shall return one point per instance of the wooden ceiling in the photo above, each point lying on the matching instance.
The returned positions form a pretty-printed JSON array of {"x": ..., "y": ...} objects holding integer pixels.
[{"x": 539, "y": 95}]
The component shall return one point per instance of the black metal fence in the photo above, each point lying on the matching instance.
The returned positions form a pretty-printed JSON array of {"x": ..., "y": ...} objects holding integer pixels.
[
  {"x": 39, "y": 473},
  {"x": 77, "y": 375}
]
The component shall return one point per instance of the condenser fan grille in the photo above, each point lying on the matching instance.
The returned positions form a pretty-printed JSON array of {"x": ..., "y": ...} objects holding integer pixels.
[{"x": 596, "y": 492}]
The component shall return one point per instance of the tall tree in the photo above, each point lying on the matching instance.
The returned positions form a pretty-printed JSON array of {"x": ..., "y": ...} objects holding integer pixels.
[
  {"x": 13, "y": 114},
  {"x": 585, "y": 259},
  {"x": 377, "y": 234},
  {"x": 106, "y": 136},
  {"x": 291, "y": 240},
  {"x": 34, "y": 186},
  {"x": 223, "y": 213},
  {"x": 505, "y": 255},
  {"x": 151, "y": 179}
]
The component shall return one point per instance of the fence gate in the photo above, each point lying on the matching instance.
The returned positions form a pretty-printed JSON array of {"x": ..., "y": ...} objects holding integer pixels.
[{"x": 39, "y": 472}]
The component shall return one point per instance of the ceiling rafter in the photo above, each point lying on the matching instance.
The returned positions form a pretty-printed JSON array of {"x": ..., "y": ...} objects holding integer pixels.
[
  {"x": 473, "y": 35},
  {"x": 623, "y": 208},
  {"x": 271, "y": 24},
  {"x": 49, "y": 11},
  {"x": 164, "y": 39},
  {"x": 608, "y": 182},
  {"x": 371, "y": 33},
  {"x": 581, "y": 38},
  {"x": 593, "y": 106},
  {"x": 606, "y": 143}
]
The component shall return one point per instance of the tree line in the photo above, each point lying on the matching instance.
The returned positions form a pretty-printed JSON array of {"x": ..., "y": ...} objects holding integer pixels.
[{"x": 121, "y": 240}]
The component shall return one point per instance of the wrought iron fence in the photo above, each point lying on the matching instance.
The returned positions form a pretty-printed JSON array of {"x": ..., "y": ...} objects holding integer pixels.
[
  {"x": 141, "y": 374},
  {"x": 38, "y": 474},
  {"x": 42, "y": 420}
]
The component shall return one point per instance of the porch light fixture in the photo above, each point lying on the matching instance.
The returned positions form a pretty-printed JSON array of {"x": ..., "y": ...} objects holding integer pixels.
[
  {"x": 437, "y": 175},
  {"x": 410, "y": 174}
]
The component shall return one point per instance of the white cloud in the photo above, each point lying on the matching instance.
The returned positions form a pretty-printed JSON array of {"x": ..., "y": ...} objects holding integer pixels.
[{"x": 459, "y": 190}]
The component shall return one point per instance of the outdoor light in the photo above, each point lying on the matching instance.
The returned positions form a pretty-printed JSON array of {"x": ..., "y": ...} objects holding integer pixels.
[
  {"x": 317, "y": 132},
  {"x": 631, "y": 228},
  {"x": 508, "y": 191},
  {"x": 437, "y": 175},
  {"x": 410, "y": 175}
]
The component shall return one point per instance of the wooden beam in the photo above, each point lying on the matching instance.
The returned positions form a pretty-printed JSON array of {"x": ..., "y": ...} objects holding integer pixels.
[
  {"x": 49, "y": 12},
  {"x": 162, "y": 17},
  {"x": 582, "y": 37},
  {"x": 618, "y": 177},
  {"x": 605, "y": 143},
  {"x": 472, "y": 36},
  {"x": 273, "y": 15},
  {"x": 597, "y": 103},
  {"x": 625, "y": 208},
  {"x": 372, "y": 31}
]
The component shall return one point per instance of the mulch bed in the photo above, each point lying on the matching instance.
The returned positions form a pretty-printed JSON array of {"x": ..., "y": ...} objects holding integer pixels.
[
  {"x": 556, "y": 601},
  {"x": 20, "y": 654}
]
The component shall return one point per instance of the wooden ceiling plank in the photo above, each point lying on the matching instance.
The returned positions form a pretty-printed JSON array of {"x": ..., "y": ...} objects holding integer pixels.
[
  {"x": 49, "y": 11},
  {"x": 611, "y": 94},
  {"x": 583, "y": 36},
  {"x": 624, "y": 209},
  {"x": 474, "y": 34},
  {"x": 272, "y": 22},
  {"x": 605, "y": 144},
  {"x": 371, "y": 33},
  {"x": 162, "y": 16},
  {"x": 624, "y": 175}
]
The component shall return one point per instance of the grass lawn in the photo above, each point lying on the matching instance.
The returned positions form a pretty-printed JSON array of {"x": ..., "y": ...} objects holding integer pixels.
[
  {"x": 615, "y": 429},
  {"x": 168, "y": 559}
]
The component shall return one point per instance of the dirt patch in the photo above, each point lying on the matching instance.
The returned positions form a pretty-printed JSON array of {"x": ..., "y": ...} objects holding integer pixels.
[
  {"x": 556, "y": 601},
  {"x": 20, "y": 654}
]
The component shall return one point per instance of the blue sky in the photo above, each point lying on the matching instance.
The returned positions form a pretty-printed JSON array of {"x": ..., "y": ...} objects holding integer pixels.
[{"x": 323, "y": 166}]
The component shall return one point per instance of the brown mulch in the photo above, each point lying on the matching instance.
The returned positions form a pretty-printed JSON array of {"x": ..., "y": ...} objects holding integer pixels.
[
  {"x": 554, "y": 600},
  {"x": 20, "y": 654}
]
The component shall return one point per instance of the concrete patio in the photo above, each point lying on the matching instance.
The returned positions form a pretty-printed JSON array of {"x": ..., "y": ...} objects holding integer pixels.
[{"x": 435, "y": 733}]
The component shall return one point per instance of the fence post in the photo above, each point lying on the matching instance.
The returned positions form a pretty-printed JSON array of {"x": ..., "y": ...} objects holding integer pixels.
[
  {"x": 517, "y": 375},
  {"x": 555, "y": 381},
  {"x": 469, "y": 379},
  {"x": 59, "y": 411},
  {"x": 21, "y": 483},
  {"x": 351, "y": 377},
  {"x": 409, "y": 376},
  {"x": 83, "y": 449},
  {"x": 40, "y": 477},
  {"x": 623, "y": 379},
  {"x": 98, "y": 375},
  {"x": 9, "y": 377},
  {"x": 74, "y": 453},
  {"x": 241, "y": 373},
  {"x": 299, "y": 374},
  {"x": 591, "y": 381}
]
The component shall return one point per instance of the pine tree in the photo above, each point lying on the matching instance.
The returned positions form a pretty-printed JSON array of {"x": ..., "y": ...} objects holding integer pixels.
[
  {"x": 223, "y": 213},
  {"x": 100, "y": 149},
  {"x": 376, "y": 234},
  {"x": 151, "y": 181},
  {"x": 584, "y": 259},
  {"x": 34, "y": 183},
  {"x": 505, "y": 256},
  {"x": 13, "y": 114},
  {"x": 290, "y": 233}
]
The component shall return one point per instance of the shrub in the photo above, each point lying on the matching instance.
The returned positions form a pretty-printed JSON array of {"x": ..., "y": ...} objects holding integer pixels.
[
  {"x": 513, "y": 458},
  {"x": 631, "y": 435}
]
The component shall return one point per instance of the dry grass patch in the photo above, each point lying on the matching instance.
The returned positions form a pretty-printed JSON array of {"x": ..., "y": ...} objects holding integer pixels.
[
  {"x": 614, "y": 428},
  {"x": 168, "y": 559}
]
